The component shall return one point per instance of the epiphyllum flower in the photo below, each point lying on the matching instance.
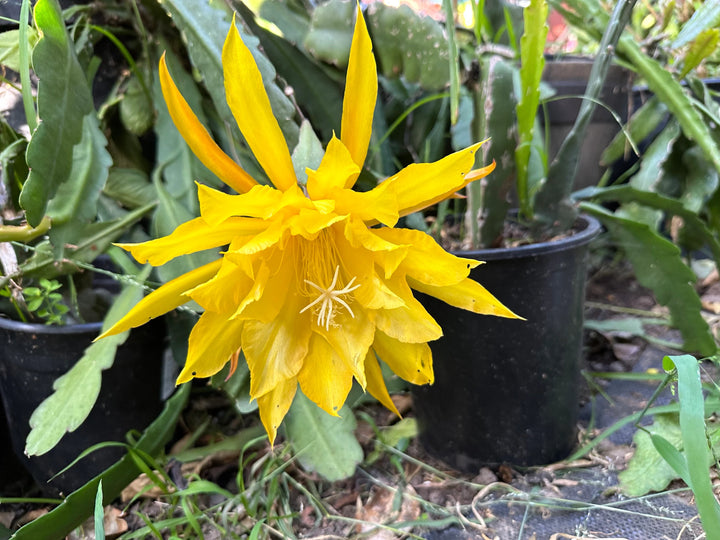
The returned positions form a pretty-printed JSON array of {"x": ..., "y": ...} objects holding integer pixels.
[{"x": 310, "y": 287}]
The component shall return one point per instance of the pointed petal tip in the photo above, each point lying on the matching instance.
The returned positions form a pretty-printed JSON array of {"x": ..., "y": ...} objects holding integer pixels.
[{"x": 477, "y": 174}]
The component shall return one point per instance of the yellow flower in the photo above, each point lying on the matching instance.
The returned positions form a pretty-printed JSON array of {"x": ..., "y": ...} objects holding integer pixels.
[{"x": 315, "y": 283}]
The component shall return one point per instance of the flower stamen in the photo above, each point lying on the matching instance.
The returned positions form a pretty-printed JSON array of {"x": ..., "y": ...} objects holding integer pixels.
[{"x": 327, "y": 297}]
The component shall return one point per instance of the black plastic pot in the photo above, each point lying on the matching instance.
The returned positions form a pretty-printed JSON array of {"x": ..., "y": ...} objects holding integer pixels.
[
  {"x": 506, "y": 391},
  {"x": 33, "y": 356}
]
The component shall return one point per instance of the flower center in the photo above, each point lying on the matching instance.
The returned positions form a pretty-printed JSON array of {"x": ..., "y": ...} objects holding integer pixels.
[{"x": 327, "y": 299}]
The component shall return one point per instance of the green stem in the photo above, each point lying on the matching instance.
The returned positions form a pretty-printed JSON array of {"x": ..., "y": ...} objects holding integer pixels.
[
  {"x": 399, "y": 120},
  {"x": 24, "y": 233},
  {"x": 128, "y": 58},
  {"x": 552, "y": 200},
  {"x": 454, "y": 64}
]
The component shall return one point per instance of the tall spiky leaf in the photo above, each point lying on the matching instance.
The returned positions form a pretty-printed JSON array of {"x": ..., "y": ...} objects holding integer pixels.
[{"x": 532, "y": 62}]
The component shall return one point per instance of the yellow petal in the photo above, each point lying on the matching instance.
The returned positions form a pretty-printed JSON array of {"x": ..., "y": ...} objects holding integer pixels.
[
  {"x": 275, "y": 404},
  {"x": 275, "y": 351},
  {"x": 359, "y": 262},
  {"x": 360, "y": 95},
  {"x": 325, "y": 378},
  {"x": 409, "y": 361},
  {"x": 225, "y": 290},
  {"x": 251, "y": 108},
  {"x": 198, "y": 139},
  {"x": 269, "y": 290},
  {"x": 336, "y": 167},
  {"x": 212, "y": 341},
  {"x": 260, "y": 242},
  {"x": 410, "y": 323},
  {"x": 350, "y": 336},
  {"x": 377, "y": 205},
  {"x": 420, "y": 185},
  {"x": 426, "y": 261},
  {"x": 468, "y": 295},
  {"x": 216, "y": 206},
  {"x": 163, "y": 299},
  {"x": 308, "y": 223},
  {"x": 387, "y": 254},
  {"x": 192, "y": 236},
  {"x": 376, "y": 382}
]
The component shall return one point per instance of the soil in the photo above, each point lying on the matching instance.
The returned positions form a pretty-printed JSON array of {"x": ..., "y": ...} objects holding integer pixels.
[
  {"x": 566, "y": 500},
  {"x": 452, "y": 235}
]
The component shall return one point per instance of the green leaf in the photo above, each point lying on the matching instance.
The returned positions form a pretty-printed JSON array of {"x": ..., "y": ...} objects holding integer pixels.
[
  {"x": 331, "y": 31},
  {"x": 75, "y": 392},
  {"x": 659, "y": 266},
  {"x": 291, "y": 18},
  {"x": 99, "y": 514},
  {"x": 651, "y": 169},
  {"x": 695, "y": 443},
  {"x": 672, "y": 456},
  {"x": 407, "y": 45},
  {"x": 75, "y": 203},
  {"x": 650, "y": 175},
  {"x": 701, "y": 179},
  {"x": 34, "y": 304},
  {"x": 63, "y": 102},
  {"x": 130, "y": 187},
  {"x": 323, "y": 443},
  {"x": 136, "y": 110},
  {"x": 308, "y": 153},
  {"x": 693, "y": 224},
  {"x": 10, "y": 47},
  {"x": 647, "y": 470},
  {"x": 13, "y": 168},
  {"x": 707, "y": 16},
  {"x": 204, "y": 27},
  {"x": 406, "y": 428},
  {"x": 702, "y": 46},
  {"x": 671, "y": 93},
  {"x": 641, "y": 125}
]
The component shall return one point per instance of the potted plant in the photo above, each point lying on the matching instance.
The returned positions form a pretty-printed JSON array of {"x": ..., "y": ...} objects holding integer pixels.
[
  {"x": 58, "y": 217},
  {"x": 676, "y": 179},
  {"x": 519, "y": 399}
]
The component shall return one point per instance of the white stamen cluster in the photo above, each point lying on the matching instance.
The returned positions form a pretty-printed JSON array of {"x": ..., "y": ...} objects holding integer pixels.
[{"x": 327, "y": 298}]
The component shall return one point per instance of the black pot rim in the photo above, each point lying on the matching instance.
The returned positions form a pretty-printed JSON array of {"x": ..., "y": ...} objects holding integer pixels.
[
  {"x": 590, "y": 229},
  {"x": 37, "y": 328}
]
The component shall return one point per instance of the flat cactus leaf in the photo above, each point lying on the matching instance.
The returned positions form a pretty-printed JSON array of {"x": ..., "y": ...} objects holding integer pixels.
[
  {"x": 496, "y": 120},
  {"x": 331, "y": 31},
  {"x": 409, "y": 45}
]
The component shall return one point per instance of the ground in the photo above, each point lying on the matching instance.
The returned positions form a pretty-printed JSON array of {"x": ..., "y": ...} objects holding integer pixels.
[{"x": 410, "y": 493}]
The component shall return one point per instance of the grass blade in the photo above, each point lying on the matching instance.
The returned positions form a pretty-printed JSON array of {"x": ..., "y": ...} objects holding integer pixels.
[
  {"x": 695, "y": 445},
  {"x": 99, "y": 514}
]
